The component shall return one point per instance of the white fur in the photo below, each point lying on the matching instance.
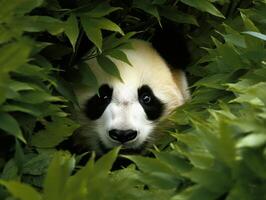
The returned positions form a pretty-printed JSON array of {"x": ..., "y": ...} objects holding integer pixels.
[{"x": 125, "y": 112}]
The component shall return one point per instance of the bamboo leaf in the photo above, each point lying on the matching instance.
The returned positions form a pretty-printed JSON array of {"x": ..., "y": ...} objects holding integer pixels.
[
  {"x": 87, "y": 76},
  {"x": 55, "y": 132},
  {"x": 11, "y": 126},
  {"x": 175, "y": 15},
  {"x": 147, "y": 7},
  {"x": 204, "y": 5},
  {"x": 120, "y": 55},
  {"x": 109, "y": 66},
  {"x": 57, "y": 175},
  {"x": 72, "y": 29},
  {"x": 102, "y": 9},
  {"x": 21, "y": 191},
  {"x": 92, "y": 31},
  {"x": 256, "y": 35}
]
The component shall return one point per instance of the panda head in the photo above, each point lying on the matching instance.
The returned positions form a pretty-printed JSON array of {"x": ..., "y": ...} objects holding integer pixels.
[{"x": 126, "y": 113}]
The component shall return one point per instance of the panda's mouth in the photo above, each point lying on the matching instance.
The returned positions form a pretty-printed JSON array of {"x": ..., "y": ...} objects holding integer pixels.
[{"x": 124, "y": 150}]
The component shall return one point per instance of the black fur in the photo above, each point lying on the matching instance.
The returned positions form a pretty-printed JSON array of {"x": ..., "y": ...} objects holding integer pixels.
[
  {"x": 96, "y": 105},
  {"x": 153, "y": 109},
  {"x": 172, "y": 45}
]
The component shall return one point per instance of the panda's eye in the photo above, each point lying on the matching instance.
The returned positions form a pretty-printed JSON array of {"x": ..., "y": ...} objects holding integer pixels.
[
  {"x": 145, "y": 98},
  {"x": 96, "y": 105},
  {"x": 151, "y": 104},
  {"x": 105, "y": 93},
  {"x": 105, "y": 97}
]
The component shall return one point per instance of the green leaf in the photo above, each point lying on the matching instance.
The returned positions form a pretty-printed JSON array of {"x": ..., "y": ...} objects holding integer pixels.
[
  {"x": 256, "y": 34},
  {"x": 10, "y": 171},
  {"x": 174, "y": 160},
  {"x": 208, "y": 178},
  {"x": 64, "y": 88},
  {"x": 5, "y": 34},
  {"x": 255, "y": 161},
  {"x": 87, "y": 76},
  {"x": 237, "y": 40},
  {"x": 58, "y": 172},
  {"x": 93, "y": 26},
  {"x": 19, "y": 156},
  {"x": 7, "y": 9},
  {"x": 12, "y": 7},
  {"x": 106, "y": 24},
  {"x": 76, "y": 184},
  {"x": 37, "y": 165},
  {"x": 20, "y": 86},
  {"x": 36, "y": 97},
  {"x": 108, "y": 66},
  {"x": 14, "y": 55},
  {"x": 120, "y": 55},
  {"x": 105, "y": 163},
  {"x": 55, "y": 132},
  {"x": 213, "y": 81},
  {"x": 21, "y": 191},
  {"x": 33, "y": 71},
  {"x": 72, "y": 29},
  {"x": 234, "y": 37},
  {"x": 11, "y": 126},
  {"x": 175, "y": 15},
  {"x": 252, "y": 140},
  {"x": 41, "y": 23},
  {"x": 250, "y": 26},
  {"x": 92, "y": 31},
  {"x": 252, "y": 42},
  {"x": 147, "y": 7},
  {"x": 156, "y": 173},
  {"x": 22, "y": 107},
  {"x": 101, "y": 10},
  {"x": 151, "y": 165},
  {"x": 112, "y": 42},
  {"x": 27, "y": 5},
  {"x": 204, "y": 5},
  {"x": 197, "y": 192}
]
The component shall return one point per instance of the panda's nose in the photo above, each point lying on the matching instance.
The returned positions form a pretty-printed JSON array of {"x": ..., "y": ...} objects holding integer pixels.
[{"x": 122, "y": 136}]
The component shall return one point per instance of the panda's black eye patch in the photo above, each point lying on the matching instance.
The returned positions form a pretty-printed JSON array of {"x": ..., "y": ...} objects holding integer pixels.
[
  {"x": 97, "y": 104},
  {"x": 152, "y": 106}
]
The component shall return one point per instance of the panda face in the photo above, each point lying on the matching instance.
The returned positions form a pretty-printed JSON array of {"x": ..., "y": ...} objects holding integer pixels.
[{"x": 126, "y": 113}]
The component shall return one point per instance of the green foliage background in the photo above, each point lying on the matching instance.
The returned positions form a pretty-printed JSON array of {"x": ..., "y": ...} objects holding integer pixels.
[{"x": 217, "y": 147}]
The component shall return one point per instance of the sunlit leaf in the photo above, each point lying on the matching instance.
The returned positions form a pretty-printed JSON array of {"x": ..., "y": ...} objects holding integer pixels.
[
  {"x": 252, "y": 140},
  {"x": 57, "y": 175},
  {"x": 105, "y": 163},
  {"x": 21, "y": 191},
  {"x": 256, "y": 34}
]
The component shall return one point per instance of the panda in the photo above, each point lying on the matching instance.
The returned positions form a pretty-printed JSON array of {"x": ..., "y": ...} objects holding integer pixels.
[{"x": 128, "y": 112}]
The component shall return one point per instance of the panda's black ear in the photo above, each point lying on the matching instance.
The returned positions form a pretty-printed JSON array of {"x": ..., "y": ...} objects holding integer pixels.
[{"x": 171, "y": 44}]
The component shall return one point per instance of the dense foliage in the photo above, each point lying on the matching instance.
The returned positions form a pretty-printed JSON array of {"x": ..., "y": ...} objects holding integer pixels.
[{"x": 217, "y": 147}]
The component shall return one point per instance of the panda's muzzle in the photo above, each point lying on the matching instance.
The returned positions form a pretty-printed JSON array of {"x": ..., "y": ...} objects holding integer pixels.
[{"x": 122, "y": 136}]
